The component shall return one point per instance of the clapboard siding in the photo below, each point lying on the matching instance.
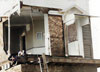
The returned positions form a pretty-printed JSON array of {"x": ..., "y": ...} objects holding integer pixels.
[
  {"x": 56, "y": 35},
  {"x": 87, "y": 41}
]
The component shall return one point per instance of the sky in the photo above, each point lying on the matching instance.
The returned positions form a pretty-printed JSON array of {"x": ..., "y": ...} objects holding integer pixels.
[
  {"x": 94, "y": 10},
  {"x": 94, "y": 6}
]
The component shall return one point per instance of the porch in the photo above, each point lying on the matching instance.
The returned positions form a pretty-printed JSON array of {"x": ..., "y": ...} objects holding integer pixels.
[{"x": 28, "y": 32}]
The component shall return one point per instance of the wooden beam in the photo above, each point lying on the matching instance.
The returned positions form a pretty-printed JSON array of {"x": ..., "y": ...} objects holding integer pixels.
[
  {"x": 45, "y": 69},
  {"x": 73, "y": 60},
  {"x": 16, "y": 25},
  {"x": 9, "y": 36},
  {"x": 38, "y": 7},
  {"x": 66, "y": 39},
  {"x": 91, "y": 37}
]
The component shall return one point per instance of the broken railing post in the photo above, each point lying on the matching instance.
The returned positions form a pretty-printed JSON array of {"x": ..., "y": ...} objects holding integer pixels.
[
  {"x": 45, "y": 69},
  {"x": 40, "y": 64}
]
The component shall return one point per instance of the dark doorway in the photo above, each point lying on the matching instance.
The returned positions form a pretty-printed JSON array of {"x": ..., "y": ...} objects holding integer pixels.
[{"x": 23, "y": 44}]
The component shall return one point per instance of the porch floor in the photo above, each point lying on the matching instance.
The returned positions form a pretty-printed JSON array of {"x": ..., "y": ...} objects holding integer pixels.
[{"x": 65, "y": 60}]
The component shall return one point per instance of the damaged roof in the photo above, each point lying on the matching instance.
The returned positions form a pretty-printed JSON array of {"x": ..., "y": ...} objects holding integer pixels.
[{"x": 57, "y": 4}]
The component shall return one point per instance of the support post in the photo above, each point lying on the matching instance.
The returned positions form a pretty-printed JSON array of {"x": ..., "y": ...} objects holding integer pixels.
[
  {"x": 44, "y": 63},
  {"x": 8, "y": 35},
  {"x": 47, "y": 35}
]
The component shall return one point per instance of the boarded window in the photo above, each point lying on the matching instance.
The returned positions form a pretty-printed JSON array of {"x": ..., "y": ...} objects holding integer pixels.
[
  {"x": 72, "y": 33},
  {"x": 56, "y": 35}
]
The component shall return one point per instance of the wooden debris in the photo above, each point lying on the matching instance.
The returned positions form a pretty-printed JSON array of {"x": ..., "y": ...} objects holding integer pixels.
[{"x": 45, "y": 63}]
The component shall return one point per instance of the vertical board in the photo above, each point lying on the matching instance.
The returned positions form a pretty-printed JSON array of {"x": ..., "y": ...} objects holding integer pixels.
[
  {"x": 87, "y": 41},
  {"x": 56, "y": 35},
  {"x": 3, "y": 56},
  {"x": 5, "y": 38},
  {"x": 66, "y": 39}
]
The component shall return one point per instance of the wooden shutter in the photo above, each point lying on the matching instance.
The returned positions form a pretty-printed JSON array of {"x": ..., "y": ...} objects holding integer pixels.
[
  {"x": 87, "y": 41},
  {"x": 56, "y": 35}
]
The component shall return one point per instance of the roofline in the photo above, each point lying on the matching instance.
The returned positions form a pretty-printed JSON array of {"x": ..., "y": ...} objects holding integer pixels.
[
  {"x": 75, "y": 6},
  {"x": 50, "y": 8},
  {"x": 86, "y": 15}
]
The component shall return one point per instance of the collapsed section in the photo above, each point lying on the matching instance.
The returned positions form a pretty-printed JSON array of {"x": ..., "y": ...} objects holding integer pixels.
[{"x": 27, "y": 32}]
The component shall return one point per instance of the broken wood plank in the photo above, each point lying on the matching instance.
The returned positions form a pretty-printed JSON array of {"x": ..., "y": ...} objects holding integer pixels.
[
  {"x": 45, "y": 63},
  {"x": 73, "y": 60}
]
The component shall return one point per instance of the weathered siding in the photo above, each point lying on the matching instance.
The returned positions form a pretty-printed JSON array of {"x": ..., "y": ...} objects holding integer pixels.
[
  {"x": 54, "y": 68},
  {"x": 3, "y": 55},
  {"x": 87, "y": 41},
  {"x": 61, "y": 68},
  {"x": 56, "y": 35}
]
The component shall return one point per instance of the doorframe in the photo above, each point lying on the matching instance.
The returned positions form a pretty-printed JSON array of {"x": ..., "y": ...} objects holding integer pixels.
[
  {"x": 47, "y": 35},
  {"x": 22, "y": 35}
]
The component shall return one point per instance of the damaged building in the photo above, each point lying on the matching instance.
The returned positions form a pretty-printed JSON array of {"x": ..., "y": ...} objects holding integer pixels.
[{"x": 55, "y": 36}]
